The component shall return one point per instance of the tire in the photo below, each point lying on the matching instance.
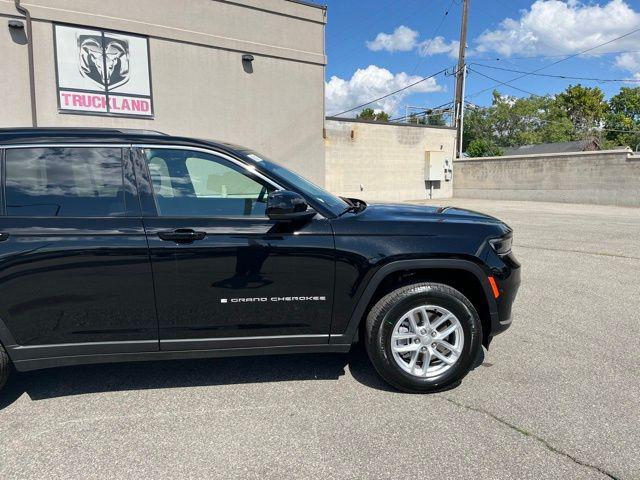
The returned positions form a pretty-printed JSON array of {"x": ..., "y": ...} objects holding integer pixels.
[
  {"x": 390, "y": 316},
  {"x": 5, "y": 367}
]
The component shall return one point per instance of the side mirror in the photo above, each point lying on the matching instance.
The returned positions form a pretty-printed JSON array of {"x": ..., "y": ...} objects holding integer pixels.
[{"x": 285, "y": 206}]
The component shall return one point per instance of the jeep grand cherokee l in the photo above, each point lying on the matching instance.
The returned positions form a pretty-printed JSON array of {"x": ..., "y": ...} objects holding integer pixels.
[{"x": 120, "y": 245}]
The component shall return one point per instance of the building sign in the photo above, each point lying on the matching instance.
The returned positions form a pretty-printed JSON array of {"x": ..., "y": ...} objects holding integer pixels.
[{"x": 102, "y": 72}]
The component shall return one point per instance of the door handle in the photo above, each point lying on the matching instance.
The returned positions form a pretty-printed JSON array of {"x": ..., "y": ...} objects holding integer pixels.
[
  {"x": 182, "y": 235},
  {"x": 4, "y": 236}
]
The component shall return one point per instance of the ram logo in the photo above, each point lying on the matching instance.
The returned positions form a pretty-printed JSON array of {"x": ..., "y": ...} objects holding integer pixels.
[{"x": 108, "y": 66}]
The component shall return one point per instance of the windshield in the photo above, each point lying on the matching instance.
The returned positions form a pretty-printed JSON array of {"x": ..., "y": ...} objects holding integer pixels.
[{"x": 332, "y": 202}]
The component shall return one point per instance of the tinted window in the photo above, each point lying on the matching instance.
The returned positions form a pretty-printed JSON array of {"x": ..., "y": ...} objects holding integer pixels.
[
  {"x": 64, "y": 182},
  {"x": 194, "y": 184},
  {"x": 330, "y": 201}
]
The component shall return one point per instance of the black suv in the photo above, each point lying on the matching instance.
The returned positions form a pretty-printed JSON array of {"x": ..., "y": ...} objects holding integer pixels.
[{"x": 120, "y": 245}]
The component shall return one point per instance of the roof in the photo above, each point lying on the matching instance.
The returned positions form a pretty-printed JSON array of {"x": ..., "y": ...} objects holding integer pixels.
[
  {"x": 309, "y": 4},
  {"x": 61, "y": 130},
  {"x": 45, "y": 135},
  {"x": 559, "y": 147}
]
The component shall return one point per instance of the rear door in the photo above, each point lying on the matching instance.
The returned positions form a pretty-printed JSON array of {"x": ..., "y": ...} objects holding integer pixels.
[
  {"x": 225, "y": 275},
  {"x": 75, "y": 275}
]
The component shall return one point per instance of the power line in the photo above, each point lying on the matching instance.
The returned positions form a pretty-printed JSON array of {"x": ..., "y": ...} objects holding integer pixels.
[
  {"x": 566, "y": 77},
  {"x": 405, "y": 118},
  {"x": 345, "y": 54},
  {"x": 540, "y": 39},
  {"x": 414, "y": 69},
  {"x": 619, "y": 130},
  {"x": 433, "y": 35},
  {"x": 381, "y": 13},
  {"x": 390, "y": 94},
  {"x": 602, "y": 129},
  {"x": 426, "y": 110},
  {"x": 529, "y": 57},
  {"x": 505, "y": 84},
  {"x": 556, "y": 62}
]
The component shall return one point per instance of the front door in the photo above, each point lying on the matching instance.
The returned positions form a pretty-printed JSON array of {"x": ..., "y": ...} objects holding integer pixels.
[
  {"x": 75, "y": 275},
  {"x": 225, "y": 275}
]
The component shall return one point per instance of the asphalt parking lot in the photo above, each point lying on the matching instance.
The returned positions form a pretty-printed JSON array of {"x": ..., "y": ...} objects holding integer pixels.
[{"x": 558, "y": 395}]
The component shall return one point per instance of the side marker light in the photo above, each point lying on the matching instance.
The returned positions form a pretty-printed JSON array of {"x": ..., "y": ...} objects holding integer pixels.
[{"x": 494, "y": 287}]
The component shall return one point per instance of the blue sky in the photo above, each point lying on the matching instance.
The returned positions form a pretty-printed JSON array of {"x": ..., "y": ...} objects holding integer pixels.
[{"x": 377, "y": 46}]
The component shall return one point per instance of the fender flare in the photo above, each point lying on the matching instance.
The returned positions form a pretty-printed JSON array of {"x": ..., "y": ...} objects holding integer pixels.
[{"x": 439, "y": 263}]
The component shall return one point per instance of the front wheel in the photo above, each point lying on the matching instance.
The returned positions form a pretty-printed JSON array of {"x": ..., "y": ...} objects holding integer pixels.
[
  {"x": 424, "y": 337},
  {"x": 5, "y": 366}
]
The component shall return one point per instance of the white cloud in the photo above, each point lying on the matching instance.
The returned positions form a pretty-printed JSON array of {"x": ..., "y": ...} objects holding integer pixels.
[
  {"x": 629, "y": 62},
  {"x": 438, "y": 45},
  {"x": 403, "y": 39},
  {"x": 563, "y": 27},
  {"x": 373, "y": 82}
]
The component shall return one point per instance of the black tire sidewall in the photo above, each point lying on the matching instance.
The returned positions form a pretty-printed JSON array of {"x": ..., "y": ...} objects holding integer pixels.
[
  {"x": 383, "y": 328},
  {"x": 5, "y": 367}
]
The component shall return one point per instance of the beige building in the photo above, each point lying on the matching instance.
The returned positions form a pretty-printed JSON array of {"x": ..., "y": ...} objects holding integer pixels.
[
  {"x": 388, "y": 162},
  {"x": 243, "y": 71}
]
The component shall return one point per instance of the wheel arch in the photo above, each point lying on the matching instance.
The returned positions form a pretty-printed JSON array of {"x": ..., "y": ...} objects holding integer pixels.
[{"x": 463, "y": 275}]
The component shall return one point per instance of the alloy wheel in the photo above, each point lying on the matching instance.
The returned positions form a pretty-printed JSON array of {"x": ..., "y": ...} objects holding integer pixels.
[{"x": 427, "y": 341}]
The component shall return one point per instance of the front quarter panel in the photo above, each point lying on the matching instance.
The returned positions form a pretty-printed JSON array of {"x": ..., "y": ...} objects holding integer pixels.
[{"x": 363, "y": 248}]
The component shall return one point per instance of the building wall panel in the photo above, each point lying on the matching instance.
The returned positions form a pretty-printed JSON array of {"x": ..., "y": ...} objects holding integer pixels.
[
  {"x": 200, "y": 87},
  {"x": 382, "y": 162}
]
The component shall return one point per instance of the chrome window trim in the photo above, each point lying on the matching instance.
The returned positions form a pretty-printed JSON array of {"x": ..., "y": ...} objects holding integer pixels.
[
  {"x": 148, "y": 145},
  {"x": 66, "y": 145}
]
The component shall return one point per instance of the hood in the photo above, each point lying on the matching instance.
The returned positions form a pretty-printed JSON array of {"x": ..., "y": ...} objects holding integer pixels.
[
  {"x": 406, "y": 219},
  {"x": 426, "y": 213}
]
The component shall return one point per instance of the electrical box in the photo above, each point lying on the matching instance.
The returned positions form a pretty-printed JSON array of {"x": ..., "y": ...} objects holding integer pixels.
[{"x": 437, "y": 166}]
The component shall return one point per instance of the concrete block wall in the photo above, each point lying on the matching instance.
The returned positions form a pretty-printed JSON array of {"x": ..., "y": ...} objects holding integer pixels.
[
  {"x": 601, "y": 178},
  {"x": 382, "y": 162}
]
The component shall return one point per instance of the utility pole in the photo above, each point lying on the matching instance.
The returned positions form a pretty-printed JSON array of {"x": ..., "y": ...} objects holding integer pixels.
[
  {"x": 460, "y": 79},
  {"x": 460, "y": 135}
]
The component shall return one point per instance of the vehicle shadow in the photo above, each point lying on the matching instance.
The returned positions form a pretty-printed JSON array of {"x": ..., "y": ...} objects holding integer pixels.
[{"x": 66, "y": 381}]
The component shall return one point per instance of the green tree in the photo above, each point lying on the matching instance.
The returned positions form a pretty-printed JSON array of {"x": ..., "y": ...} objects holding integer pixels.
[
  {"x": 577, "y": 113},
  {"x": 483, "y": 148},
  {"x": 367, "y": 114},
  {"x": 435, "y": 119},
  {"x": 428, "y": 118},
  {"x": 530, "y": 120},
  {"x": 585, "y": 107},
  {"x": 382, "y": 116},
  {"x": 622, "y": 123},
  {"x": 370, "y": 114},
  {"x": 511, "y": 121},
  {"x": 477, "y": 125}
]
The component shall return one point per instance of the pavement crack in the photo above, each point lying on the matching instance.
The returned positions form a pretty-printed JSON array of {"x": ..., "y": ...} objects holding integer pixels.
[
  {"x": 532, "y": 435},
  {"x": 586, "y": 252}
]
